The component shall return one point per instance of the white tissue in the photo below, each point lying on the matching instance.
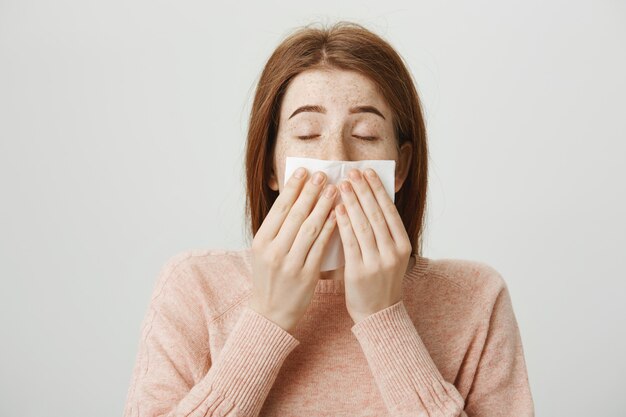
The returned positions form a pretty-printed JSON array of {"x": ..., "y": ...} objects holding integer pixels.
[{"x": 336, "y": 171}]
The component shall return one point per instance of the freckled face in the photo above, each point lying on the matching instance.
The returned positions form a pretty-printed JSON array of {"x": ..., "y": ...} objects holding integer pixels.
[{"x": 335, "y": 133}]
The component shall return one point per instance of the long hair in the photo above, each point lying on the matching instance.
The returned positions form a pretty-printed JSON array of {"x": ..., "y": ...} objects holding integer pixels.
[{"x": 344, "y": 46}]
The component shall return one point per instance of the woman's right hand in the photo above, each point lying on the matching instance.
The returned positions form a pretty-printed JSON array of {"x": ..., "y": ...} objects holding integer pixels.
[{"x": 287, "y": 250}]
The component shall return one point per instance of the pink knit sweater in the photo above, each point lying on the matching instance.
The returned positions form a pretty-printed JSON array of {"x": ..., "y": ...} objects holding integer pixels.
[{"x": 451, "y": 347}]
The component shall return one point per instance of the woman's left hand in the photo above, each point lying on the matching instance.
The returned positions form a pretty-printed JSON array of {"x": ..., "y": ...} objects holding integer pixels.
[{"x": 376, "y": 246}]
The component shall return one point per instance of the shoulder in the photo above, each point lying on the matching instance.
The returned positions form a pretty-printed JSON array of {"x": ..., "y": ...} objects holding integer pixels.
[
  {"x": 472, "y": 280},
  {"x": 212, "y": 279}
]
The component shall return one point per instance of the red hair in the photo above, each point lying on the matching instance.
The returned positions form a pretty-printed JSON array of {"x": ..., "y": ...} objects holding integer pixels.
[{"x": 343, "y": 46}]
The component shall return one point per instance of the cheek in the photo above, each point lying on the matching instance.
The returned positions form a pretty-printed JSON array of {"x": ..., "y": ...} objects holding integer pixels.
[
  {"x": 371, "y": 150},
  {"x": 299, "y": 148}
]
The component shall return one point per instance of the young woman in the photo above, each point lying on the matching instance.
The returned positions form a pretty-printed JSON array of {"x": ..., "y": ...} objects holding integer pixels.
[{"x": 262, "y": 332}]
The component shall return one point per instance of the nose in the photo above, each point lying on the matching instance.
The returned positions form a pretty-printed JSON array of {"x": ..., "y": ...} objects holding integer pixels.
[{"x": 335, "y": 149}]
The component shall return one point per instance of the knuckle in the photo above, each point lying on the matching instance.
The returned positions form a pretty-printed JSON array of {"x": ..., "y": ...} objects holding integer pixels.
[
  {"x": 282, "y": 207},
  {"x": 363, "y": 226},
  {"x": 388, "y": 268},
  {"x": 389, "y": 205},
  {"x": 288, "y": 265},
  {"x": 305, "y": 270},
  {"x": 388, "y": 265},
  {"x": 298, "y": 216},
  {"x": 309, "y": 229},
  {"x": 271, "y": 258},
  {"x": 353, "y": 245},
  {"x": 378, "y": 217}
]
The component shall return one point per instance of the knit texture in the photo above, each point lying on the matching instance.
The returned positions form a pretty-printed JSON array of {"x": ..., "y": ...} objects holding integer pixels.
[{"x": 451, "y": 347}]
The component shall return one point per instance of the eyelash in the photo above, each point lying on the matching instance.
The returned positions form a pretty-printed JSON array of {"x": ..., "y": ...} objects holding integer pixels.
[{"x": 366, "y": 138}]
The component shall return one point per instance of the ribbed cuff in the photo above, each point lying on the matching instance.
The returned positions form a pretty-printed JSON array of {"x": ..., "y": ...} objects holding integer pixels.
[
  {"x": 402, "y": 367},
  {"x": 251, "y": 359}
]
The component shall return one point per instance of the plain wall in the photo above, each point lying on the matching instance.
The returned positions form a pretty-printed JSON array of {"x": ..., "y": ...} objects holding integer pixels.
[{"x": 122, "y": 135}]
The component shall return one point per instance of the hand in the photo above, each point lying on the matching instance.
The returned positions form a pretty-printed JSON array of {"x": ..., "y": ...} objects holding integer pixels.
[
  {"x": 287, "y": 250},
  {"x": 376, "y": 246}
]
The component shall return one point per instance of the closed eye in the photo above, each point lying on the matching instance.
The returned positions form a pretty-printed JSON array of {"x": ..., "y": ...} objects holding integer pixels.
[{"x": 368, "y": 138}]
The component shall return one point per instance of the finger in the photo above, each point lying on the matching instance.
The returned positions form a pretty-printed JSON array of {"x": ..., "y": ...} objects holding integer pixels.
[
  {"x": 281, "y": 207},
  {"x": 351, "y": 249},
  {"x": 313, "y": 225},
  {"x": 360, "y": 225},
  {"x": 298, "y": 214},
  {"x": 314, "y": 258},
  {"x": 392, "y": 217},
  {"x": 373, "y": 212}
]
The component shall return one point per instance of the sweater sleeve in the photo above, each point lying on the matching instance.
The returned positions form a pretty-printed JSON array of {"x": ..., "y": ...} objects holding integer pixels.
[
  {"x": 407, "y": 377},
  {"x": 170, "y": 377},
  {"x": 500, "y": 386},
  {"x": 411, "y": 384}
]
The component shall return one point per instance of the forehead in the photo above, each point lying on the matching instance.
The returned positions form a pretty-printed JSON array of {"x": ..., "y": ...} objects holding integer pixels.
[{"x": 331, "y": 88}]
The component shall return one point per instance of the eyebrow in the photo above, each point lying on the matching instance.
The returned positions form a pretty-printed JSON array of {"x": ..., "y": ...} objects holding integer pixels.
[{"x": 321, "y": 109}]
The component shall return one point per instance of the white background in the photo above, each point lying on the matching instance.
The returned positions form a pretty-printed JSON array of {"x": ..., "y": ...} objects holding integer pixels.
[{"x": 123, "y": 125}]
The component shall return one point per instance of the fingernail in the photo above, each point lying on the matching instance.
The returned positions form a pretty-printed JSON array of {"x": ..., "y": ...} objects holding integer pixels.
[
  {"x": 319, "y": 177},
  {"x": 330, "y": 191},
  {"x": 355, "y": 174},
  {"x": 299, "y": 173}
]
